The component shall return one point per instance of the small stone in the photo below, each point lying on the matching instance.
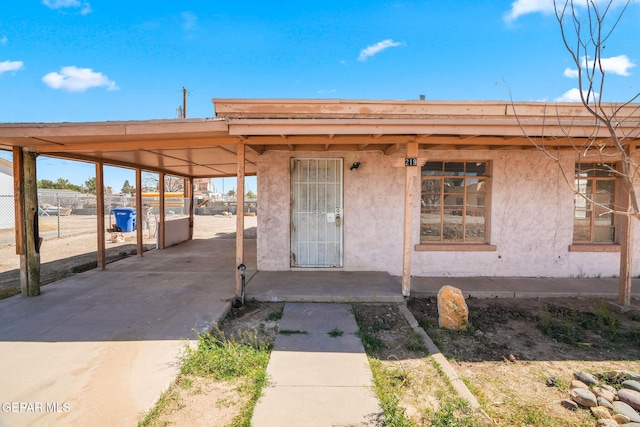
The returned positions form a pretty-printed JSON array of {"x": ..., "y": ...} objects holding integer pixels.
[
  {"x": 630, "y": 397},
  {"x": 626, "y": 410},
  {"x": 585, "y": 377},
  {"x": 569, "y": 404},
  {"x": 551, "y": 381},
  {"x": 631, "y": 385},
  {"x": 583, "y": 397},
  {"x": 601, "y": 413},
  {"x": 605, "y": 403},
  {"x": 579, "y": 384},
  {"x": 452, "y": 309},
  {"x": 604, "y": 393},
  {"x": 607, "y": 423},
  {"x": 610, "y": 388}
]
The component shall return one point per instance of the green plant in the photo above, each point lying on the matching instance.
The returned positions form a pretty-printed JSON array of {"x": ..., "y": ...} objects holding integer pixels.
[
  {"x": 274, "y": 315},
  {"x": 386, "y": 382},
  {"x": 415, "y": 343},
  {"x": 454, "y": 412},
  {"x": 152, "y": 418},
  {"x": 371, "y": 342},
  {"x": 335, "y": 333}
]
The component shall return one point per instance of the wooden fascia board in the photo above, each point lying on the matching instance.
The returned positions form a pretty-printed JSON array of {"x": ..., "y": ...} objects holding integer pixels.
[
  {"x": 461, "y": 127},
  {"x": 138, "y": 144}
]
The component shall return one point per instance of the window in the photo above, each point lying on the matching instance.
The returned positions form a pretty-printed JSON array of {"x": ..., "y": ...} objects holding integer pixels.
[
  {"x": 454, "y": 202},
  {"x": 593, "y": 219}
]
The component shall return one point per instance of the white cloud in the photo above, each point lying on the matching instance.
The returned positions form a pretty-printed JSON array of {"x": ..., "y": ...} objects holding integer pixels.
[
  {"x": 377, "y": 48},
  {"x": 326, "y": 91},
  {"x": 11, "y": 66},
  {"x": 523, "y": 7},
  {"x": 76, "y": 79},
  {"x": 619, "y": 65},
  {"x": 61, "y": 4},
  {"x": 4, "y": 40},
  {"x": 189, "y": 20},
  {"x": 573, "y": 95}
]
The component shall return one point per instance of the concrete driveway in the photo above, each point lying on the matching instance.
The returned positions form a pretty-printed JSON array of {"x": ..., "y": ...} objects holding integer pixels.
[{"x": 98, "y": 348}]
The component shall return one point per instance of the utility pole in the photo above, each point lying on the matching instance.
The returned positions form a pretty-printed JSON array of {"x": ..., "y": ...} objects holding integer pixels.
[{"x": 184, "y": 102}]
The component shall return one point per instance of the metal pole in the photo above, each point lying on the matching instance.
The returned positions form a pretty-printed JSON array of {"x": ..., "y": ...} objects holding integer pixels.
[{"x": 58, "y": 200}]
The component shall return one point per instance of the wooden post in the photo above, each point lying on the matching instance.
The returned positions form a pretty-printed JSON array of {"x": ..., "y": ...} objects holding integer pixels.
[
  {"x": 626, "y": 250},
  {"x": 26, "y": 225},
  {"x": 189, "y": 195},
  {"x": 240, "y": 216},
  {"x": 101, "y": 211},
  {"x": 411, "y": 172},
  {"x": 140, "y": 221},
  {"x": 161, "y": 214}
]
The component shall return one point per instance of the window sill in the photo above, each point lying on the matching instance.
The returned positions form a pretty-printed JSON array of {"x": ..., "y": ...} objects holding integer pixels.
[
  {"x": 594, "y": 247},
  {"x": 456, "y": 247}
]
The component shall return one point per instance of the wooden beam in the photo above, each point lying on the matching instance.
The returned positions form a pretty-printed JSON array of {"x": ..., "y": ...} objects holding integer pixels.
[
  {"x": 240, "y": 218},
  {"x": 626, "y": 247},
  {"x": 18, "y": 197},
  {"x": 100, "y": 213},
  {"x": 28, "y": 223},
  {"x": 392, "y": 149},
  {"x": 411, "y": 174},
  {"x": 189, "y": 196},
  {"x": 161, "y": 215},
  {"x": 140, "y": 221}
]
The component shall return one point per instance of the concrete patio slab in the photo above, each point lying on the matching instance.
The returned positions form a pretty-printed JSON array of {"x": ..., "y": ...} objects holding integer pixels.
[
  {"x": 305, "y": 317},
  {"x": 324, "y": 286}
]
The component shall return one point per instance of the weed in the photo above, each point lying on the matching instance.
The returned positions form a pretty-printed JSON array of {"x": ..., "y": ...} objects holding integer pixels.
[
  {"x": 274, "y": 315},
  {"x": 453, "y": 412},
  {"x": 166, "y": 399},
  {"x": 335, "y": 333},
  {"x": 386, "y": 382},
  {"x": 371, "y": 343},
  {"x": 292, "y": 332},
  {"x": 415, "y": 343},
  {"x": 564, "y": 330}
]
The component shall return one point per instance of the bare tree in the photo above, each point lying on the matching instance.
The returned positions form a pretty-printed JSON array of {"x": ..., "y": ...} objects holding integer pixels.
[
  {"x": 605, "y": 176},
  {"x": 172, "y": 184}
]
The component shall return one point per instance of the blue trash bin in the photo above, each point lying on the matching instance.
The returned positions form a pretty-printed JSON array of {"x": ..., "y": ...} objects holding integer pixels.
[{"x": 125, "y": 219}]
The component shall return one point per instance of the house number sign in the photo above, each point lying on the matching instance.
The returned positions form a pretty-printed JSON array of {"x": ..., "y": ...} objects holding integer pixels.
[{"x": 411, "y": 161}]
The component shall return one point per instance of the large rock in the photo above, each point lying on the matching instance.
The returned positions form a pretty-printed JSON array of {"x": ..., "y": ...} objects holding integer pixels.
[
  {"x": 631, "y": 385},
  {"x": 607, "y": 423},
  {"x": 585, "y": 377},
  {"x": 626, "y": 410},
  {"x": 630, "y": 397},
  {"x": 452, "y": 309},
  {"x": 583, "y": 397}
]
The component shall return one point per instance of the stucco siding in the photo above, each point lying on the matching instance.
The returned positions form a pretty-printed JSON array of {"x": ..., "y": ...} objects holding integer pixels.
[{"x": 531, "y": 218}]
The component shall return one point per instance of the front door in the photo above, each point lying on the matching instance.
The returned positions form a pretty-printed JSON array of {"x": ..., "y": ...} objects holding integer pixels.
[{"x": 316, "y": 212}]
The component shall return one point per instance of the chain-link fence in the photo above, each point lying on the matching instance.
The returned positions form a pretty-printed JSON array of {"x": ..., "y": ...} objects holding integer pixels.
[{"x": 7, "y": 221}]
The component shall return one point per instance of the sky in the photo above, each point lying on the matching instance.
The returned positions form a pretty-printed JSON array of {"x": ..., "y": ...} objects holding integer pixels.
[{"x": 77, "y": 60}]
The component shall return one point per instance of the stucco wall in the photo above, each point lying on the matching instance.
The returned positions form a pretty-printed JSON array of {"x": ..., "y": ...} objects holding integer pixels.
[{"x": 531, "y": 218}]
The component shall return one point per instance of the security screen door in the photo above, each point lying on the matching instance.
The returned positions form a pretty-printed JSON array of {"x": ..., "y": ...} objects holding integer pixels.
[{"x": 316, "y": 213}]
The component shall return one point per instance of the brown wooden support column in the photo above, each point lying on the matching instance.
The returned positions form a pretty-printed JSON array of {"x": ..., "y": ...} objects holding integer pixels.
[
  {"x": 161, "y": 215},
  {"x": 411, "y": 173},
  {"x": 626, "y": 248},
  {"x": 27, "y": 236},
  {"x": 140, "y": 221},
  {"x": 100, "y": 212},
  {"x": 189, "y": 195},
  {"x": 240, "y": 216}
]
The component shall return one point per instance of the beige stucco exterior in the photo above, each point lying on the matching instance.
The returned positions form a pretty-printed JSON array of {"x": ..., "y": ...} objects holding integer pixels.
[{"x": 531, "y": 218}]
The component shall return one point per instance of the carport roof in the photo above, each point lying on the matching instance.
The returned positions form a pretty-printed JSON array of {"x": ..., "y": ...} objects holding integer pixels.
[{"x": 207, "y": 147}]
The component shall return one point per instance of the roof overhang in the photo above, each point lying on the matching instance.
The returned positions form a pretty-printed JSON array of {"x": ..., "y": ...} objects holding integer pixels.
[{"x": 208, "y": 147}]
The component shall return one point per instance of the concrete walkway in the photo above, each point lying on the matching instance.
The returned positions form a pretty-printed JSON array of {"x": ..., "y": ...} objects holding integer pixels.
[{"x": 317, "y": 379}]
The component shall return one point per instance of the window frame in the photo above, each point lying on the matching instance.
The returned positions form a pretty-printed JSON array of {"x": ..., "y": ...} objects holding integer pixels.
[
  {"x": 592, "y": 245},
  {"x": 445, "y": 245}
]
